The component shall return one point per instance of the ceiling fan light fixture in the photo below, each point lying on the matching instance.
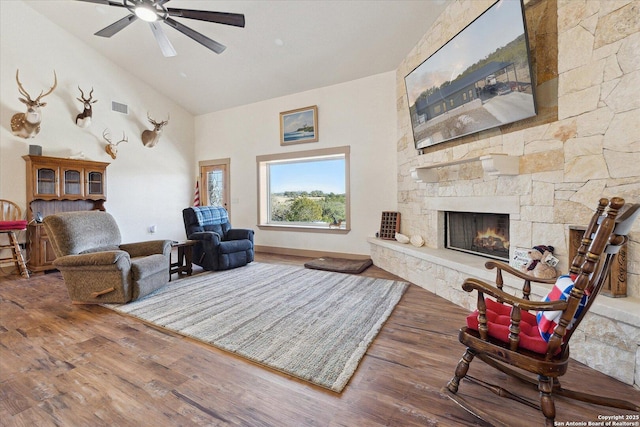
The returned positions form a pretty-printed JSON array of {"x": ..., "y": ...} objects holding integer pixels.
[
  {"x": 152, "y": 11},
  {"x": 146, "y": 12}
]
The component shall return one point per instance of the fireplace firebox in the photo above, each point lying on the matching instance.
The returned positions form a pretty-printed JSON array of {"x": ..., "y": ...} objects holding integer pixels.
[{"x": 484, "y": 234}]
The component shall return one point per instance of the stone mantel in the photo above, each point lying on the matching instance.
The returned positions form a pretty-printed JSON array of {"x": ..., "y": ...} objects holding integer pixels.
[
  {"x": 612, "y": 324},
  {"x": 492, "y": 164}
]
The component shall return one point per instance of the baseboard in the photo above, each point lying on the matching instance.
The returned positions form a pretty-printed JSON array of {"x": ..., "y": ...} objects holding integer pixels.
[{"x": 306, "y": 253}]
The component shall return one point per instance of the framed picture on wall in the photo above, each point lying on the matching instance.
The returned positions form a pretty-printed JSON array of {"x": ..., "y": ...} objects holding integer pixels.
[{"x": 299, "y": 126}]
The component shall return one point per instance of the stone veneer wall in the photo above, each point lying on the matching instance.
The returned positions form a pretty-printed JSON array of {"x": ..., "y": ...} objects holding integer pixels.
[{"x": 591, "y": 150}]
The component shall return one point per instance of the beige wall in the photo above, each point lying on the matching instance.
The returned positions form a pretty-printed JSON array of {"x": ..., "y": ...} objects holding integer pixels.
[
  {"x": 145, "y": 186},
  {"x": 360, "y": 114},
  {"x": 592, "y": 150}
]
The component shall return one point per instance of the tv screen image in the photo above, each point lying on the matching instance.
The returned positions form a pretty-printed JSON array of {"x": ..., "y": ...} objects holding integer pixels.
[{"x": 480, "y": 79}]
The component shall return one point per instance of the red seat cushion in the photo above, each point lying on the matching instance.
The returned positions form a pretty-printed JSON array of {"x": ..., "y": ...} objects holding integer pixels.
[
  {"x": 19, "y": 224},
  {"x": 498, "y": 320}
]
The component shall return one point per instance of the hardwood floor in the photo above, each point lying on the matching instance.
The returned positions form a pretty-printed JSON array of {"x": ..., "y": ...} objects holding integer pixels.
[{"x": 76, "y": 365}]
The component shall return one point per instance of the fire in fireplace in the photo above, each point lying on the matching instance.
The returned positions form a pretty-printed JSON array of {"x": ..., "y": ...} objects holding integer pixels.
[{"x": 484, "y": 234}]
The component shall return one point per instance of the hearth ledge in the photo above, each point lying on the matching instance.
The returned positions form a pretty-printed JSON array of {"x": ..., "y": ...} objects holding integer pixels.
[{"x": 624, "y": 310}]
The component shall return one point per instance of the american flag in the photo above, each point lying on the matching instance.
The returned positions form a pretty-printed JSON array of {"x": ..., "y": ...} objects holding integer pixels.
[{"x": 196, "y": 195}]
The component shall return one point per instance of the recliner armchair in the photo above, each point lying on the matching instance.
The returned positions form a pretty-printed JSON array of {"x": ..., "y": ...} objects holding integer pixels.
[
  {"x": 219, "y": 247},
  {"x": 96, "y": 267}
]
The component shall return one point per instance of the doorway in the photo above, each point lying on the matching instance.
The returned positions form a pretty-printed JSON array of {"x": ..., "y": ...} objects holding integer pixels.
[{"x": 214, "y": 181}]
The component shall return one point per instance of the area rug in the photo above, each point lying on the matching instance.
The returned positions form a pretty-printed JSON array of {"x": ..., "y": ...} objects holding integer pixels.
[
  {"x": 340, "y": 265},
  {"x": 311, "y": 324}
]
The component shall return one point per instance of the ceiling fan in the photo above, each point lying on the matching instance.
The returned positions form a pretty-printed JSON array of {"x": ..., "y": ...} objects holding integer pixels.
[{"x": 154, "y": 12}]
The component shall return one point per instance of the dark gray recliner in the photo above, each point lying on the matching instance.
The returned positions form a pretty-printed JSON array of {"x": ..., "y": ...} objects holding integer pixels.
[
  {"x": 96, "y": 267},
  {"x": 219, "y": 247}
]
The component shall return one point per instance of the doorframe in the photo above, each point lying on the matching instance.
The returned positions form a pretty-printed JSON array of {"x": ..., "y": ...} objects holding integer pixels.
[{"x": 226, "y": 162}]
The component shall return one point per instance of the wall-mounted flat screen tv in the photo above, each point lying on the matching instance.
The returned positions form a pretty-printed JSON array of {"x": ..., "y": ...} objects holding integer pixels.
[{"x": 478, "y": 80}]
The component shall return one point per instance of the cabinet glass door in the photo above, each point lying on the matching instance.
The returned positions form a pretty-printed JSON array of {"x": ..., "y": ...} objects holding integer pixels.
[
  {"x": 72, "y": 182},
  {"x": 95, "y": 183},
  {"x": 46, "y": 182}
]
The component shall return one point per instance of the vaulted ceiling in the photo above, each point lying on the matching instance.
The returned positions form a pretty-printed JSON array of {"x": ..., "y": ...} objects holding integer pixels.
[{"x": 286, "y": 46}]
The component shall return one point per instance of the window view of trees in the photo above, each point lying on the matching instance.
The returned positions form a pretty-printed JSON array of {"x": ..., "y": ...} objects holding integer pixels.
[
  {"x": 305, "y": 190},
  {"x": 313, "y": 206}
]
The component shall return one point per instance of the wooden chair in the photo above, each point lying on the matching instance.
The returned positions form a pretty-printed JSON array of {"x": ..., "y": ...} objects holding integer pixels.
[
  {"x": 504, "y": 334},
  {"x": 10, "y": 222}
]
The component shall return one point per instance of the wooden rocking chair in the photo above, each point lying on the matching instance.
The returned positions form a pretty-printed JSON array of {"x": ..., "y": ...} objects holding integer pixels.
[
  {"x": 504, "y": 334},
  {"x": 11, "y": 222}
]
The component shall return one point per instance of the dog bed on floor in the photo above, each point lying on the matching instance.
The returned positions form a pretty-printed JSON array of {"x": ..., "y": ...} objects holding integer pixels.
[{"x": 340, "y": 265}]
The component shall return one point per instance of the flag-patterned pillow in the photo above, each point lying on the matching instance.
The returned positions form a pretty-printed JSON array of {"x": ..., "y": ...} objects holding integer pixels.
[{"x": 548, "y": 320}]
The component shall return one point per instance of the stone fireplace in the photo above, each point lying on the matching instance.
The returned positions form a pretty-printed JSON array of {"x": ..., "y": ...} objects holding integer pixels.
[
  {"x": 499, "y": 215},
  {"x": 546, "y": 174}
]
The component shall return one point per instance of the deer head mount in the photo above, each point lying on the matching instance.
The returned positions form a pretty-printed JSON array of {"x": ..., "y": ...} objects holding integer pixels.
[
  {"x": 112, "y": 148},
  {"x": 151, "y": 137},
  {"x": 84, "y": 119},
  {"x": 27, "y": 125}
]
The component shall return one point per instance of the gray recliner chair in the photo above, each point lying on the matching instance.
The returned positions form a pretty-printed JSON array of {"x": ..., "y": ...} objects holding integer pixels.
[{"x": 96, "y": 267}]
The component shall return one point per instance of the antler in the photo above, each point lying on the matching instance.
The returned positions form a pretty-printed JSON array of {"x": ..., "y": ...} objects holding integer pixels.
[
  {"x": 107, "y": 136},
  {"x": 23, "y": 92},
  {"x": 55, "y": 83},
  {"x": 83, "y": 98},
  {"x": 155, "y": 123},
  {"x": 124, "y": 138}
]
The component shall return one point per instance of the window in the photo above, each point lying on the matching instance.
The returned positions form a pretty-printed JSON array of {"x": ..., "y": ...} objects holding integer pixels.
[{"x": 305, "y": 190}]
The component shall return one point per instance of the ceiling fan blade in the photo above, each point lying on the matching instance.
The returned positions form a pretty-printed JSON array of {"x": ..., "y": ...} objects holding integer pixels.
[
  {"x": 200, "y": 38},
  {"x": 104, "y": 2},
  {"x": 116, "y": 26},
  {"x": 235, "y": 19},
  {"x": 164, "y": 43}
]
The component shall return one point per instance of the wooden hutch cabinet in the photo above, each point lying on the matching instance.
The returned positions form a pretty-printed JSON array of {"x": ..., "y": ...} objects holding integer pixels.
[{"x": 59, "y": 185}]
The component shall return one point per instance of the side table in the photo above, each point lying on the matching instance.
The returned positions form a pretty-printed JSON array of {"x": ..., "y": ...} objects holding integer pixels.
[{"x": 185, "y": 256}]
